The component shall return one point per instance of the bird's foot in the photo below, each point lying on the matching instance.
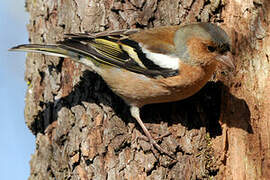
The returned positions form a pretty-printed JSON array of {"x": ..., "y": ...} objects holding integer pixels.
[
  {"x": 135, "y": 112},
  {"x": 162, "y": 136},
  {"x": 154, "y": 144}
]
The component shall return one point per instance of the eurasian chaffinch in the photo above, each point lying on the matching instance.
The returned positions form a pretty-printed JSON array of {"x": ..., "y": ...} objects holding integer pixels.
[{"x": 158, "y": 65}]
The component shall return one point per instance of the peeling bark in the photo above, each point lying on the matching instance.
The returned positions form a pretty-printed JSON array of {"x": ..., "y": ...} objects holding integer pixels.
[{"x": 84, "y": 131}]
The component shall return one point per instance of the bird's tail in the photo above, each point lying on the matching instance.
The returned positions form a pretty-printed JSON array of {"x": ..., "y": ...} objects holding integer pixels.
[{"x": 52, "y": 50}]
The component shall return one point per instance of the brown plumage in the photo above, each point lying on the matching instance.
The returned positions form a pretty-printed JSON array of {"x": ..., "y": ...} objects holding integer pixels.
[{"x": 148, "y": 66}]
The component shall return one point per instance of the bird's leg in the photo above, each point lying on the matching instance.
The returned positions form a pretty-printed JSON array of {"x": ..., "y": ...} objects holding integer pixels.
[{"x": 135, "y": 112}]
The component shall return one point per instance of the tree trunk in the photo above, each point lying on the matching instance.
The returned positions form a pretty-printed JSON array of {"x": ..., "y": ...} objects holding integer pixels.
[{"x": 84, "y": 131}]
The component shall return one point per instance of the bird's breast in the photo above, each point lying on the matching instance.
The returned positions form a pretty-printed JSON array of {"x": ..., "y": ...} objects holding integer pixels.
[{"x": 137, "y": 89}]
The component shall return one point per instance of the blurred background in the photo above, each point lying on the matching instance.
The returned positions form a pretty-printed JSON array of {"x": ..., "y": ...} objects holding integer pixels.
[{"x": 17, "y": 142}]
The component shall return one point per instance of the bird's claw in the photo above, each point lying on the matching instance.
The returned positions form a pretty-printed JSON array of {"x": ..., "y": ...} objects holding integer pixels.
[{"x": 156, "y": 145}]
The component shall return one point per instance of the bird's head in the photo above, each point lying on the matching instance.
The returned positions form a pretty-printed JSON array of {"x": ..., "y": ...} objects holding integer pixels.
[{"x": 203, "y": 43}]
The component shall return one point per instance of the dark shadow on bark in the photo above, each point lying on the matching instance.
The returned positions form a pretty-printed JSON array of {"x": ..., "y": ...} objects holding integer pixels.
[
  {"x": 92, "y": 89},
  {"x": 201, "y": 110}
]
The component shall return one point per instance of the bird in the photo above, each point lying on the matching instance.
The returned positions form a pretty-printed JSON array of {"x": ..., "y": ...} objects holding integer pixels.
[{"x": 147, "y": 66}]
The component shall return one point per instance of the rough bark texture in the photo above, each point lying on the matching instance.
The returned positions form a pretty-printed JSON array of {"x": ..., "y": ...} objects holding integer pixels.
[{"x": 84, "y": 131}]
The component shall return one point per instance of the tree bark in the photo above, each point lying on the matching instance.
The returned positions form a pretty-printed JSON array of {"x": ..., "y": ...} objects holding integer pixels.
[{"x": 84, "y": 131}]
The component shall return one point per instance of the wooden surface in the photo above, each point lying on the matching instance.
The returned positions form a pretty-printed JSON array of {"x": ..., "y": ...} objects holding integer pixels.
[{"x": 84, "y": 131}]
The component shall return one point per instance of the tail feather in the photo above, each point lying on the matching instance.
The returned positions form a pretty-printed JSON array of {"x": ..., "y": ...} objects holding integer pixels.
[{"x": 52, "y": 50}]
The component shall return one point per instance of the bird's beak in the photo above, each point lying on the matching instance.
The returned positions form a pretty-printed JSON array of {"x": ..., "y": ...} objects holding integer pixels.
[{"x": 226, "y": 59}]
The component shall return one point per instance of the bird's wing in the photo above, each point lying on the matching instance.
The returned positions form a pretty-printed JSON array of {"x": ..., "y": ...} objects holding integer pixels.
[{"x": 116, "y": 48}]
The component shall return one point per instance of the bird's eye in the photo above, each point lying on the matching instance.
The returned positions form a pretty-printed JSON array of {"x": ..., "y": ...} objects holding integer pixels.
[{"x": 211, "y": 48}]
